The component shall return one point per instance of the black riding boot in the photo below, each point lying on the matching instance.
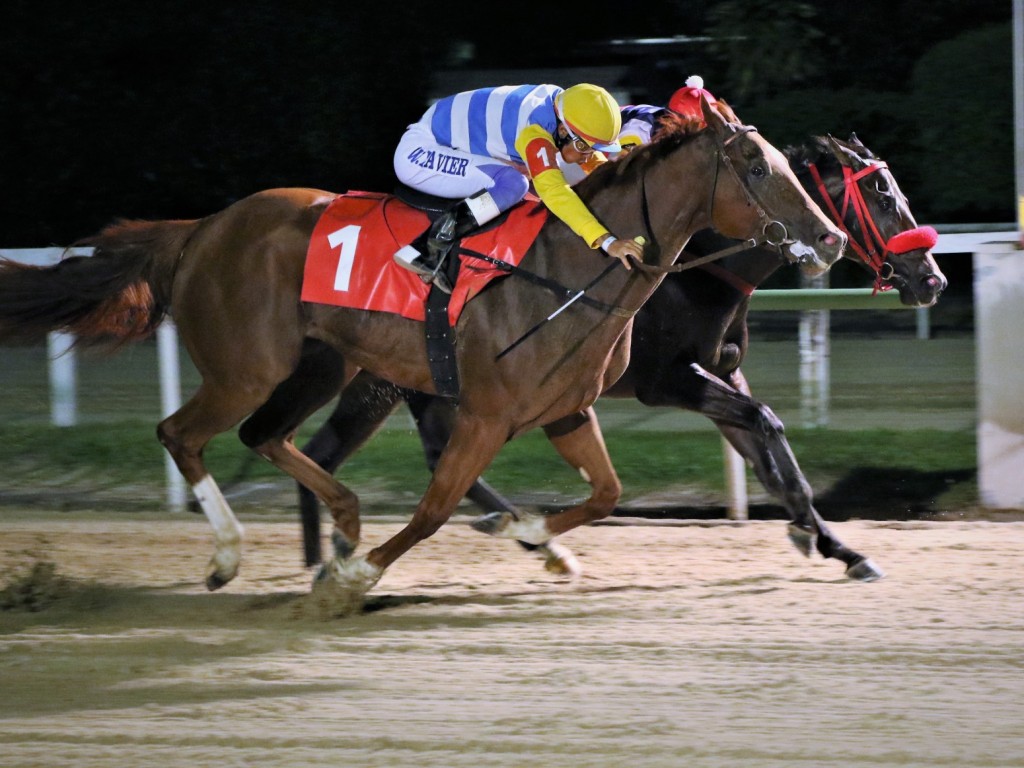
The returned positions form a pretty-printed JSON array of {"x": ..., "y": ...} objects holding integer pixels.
[{"x": 426, "y": 254}]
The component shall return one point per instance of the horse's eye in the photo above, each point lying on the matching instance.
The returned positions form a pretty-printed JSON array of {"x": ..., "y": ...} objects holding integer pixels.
[
  {"x": 885, "y": 204},
  {"x": 757, "y": 172}
]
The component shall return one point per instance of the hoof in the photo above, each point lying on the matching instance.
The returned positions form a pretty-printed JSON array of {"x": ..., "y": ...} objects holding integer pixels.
[
  {"x": 803, "y": 539},
  {"x": 340, "y": 587},
  {"x": 865, "y": 571},
  {"x": 559, "y": 560},
  {"x": 531, "y": 529},
  {"x": 215, "y": 581},
  {"x": 322, "y": 574},
  {"x": 493, "y": 523},
  {"x": 223, "y": 568}
]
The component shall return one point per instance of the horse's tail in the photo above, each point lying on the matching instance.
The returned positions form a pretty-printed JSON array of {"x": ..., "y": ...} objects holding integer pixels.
[{"x": 118, "y": 295}]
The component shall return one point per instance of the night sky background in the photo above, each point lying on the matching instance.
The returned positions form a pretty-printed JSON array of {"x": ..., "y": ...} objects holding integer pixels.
[{"x": 159, "y": 110}]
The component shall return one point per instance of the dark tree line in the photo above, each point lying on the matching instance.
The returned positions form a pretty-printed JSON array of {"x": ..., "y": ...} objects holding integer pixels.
[{"x": 160, "y": 110}]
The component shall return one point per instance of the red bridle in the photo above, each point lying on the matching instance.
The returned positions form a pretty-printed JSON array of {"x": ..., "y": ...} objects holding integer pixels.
[{"x": 902, "y": 242}]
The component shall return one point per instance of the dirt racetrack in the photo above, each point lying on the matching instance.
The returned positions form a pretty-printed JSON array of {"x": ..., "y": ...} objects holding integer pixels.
[{"x": 710, "y": 644}]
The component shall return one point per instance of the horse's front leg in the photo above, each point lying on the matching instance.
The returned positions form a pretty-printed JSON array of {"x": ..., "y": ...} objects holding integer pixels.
[
  {"x": 434, "y": 417},
  {"x": 758, "y": 435},
  {"x": 473, "y": 445},
  {"x": 579, "y": 440}
]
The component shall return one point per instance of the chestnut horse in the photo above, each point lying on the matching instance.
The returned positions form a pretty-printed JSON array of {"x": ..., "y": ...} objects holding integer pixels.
[
  {"x": 694, "y": 364},
  {"x": 232, "y": 282}
]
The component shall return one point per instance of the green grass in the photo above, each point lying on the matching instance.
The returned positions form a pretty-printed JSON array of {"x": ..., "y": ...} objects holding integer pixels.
[
  {"x": 901, "y": 426},
  {"x": 126, "y": 455}
]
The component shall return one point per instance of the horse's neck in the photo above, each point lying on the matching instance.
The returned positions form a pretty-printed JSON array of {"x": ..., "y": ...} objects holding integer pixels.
[{"x": 666, "y": 199}]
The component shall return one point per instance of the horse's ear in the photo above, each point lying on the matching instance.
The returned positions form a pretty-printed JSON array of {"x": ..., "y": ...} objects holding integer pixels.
[
  {"x": 712, "y": 118},
  {"x": 726, "y": 111},
  {"x": 855, "y": 141},
  {"x": 842, "y": 152}
]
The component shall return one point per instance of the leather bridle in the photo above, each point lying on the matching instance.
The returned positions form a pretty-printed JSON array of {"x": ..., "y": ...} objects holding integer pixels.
[{"x": 875, "y": 249}]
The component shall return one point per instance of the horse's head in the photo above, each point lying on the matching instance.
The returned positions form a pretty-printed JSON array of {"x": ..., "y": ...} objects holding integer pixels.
[
  {"x": 758, "y": 195},
  {"x": 864, "y": 199}
]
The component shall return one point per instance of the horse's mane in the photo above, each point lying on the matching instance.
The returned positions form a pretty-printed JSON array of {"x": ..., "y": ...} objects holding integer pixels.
[
  {"x": 817, "y": 151},
  {"x": 673, "y": 131},
  {"x": 672, "y": 124}
]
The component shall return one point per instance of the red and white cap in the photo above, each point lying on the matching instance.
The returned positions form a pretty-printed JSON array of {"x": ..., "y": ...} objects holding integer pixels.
[{"x": 686, "y": 101}]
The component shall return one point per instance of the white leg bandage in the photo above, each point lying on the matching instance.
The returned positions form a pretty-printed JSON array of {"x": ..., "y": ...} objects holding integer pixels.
[{"x": 226, "y": 528}]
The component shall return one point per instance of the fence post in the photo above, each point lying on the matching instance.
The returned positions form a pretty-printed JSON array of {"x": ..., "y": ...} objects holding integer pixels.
[
  {"x": 63, "y": 379},
  {"x": 814, "y": 360},
  {"x": 170, "y": 401},
  {"x": 735, "y": 482}
]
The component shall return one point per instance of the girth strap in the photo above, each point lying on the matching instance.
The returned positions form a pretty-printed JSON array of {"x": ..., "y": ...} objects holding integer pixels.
[{"x": 441, "y": 344}]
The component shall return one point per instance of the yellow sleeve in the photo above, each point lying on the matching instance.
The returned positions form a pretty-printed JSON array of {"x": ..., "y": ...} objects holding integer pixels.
[{"x": 537, "y": 148}]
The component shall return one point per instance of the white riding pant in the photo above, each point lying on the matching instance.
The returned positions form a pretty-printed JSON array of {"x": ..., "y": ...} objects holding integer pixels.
[{"x": 423, "y": 164}]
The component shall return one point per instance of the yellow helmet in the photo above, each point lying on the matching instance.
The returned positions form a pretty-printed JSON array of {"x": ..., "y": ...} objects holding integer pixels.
[{"x": 591, "y": 113}]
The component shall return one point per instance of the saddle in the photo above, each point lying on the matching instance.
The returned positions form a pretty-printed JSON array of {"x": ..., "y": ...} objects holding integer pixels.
[
  {"x": 439, "y": 334},
  {"x": 433, "y": 206}
]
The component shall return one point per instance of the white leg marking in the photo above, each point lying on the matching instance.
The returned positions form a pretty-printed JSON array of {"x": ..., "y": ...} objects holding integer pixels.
[
  {"x": 227, "y": 531},
  {"x": 559, "y": 559},
  {"x": 356, "y": 574},
  {"x": 341, "y": 588},
  {"x": 533, "y": 529}
]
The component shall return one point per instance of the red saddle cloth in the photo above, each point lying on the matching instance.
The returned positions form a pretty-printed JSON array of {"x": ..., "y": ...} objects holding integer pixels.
[{"x": 349, "y": 261}]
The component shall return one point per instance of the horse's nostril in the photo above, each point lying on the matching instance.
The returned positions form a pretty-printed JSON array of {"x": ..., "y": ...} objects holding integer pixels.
[{"x": 829, "y": 240}]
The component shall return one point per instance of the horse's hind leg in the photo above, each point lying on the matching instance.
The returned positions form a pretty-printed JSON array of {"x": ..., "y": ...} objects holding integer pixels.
[
  {"x": 269, "y": 431},
  {"x": 210, "y": 411},
  {"x": 579, "y": 440},
  {"x": 361, "y": 410}
]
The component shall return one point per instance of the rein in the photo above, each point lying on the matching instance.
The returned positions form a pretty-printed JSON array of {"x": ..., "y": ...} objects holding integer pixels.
[
  {"x": 753, "y": 242},
  {"x": 554, "y": 286}
]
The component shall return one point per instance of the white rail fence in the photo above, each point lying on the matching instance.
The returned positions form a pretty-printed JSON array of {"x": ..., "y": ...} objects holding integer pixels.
[{"x": 999, "y": 312}]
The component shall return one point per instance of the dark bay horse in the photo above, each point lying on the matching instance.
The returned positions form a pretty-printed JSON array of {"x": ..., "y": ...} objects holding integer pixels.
[
  {"x": 688, "y": 342},
  {"x": 232, "y": 282}
]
